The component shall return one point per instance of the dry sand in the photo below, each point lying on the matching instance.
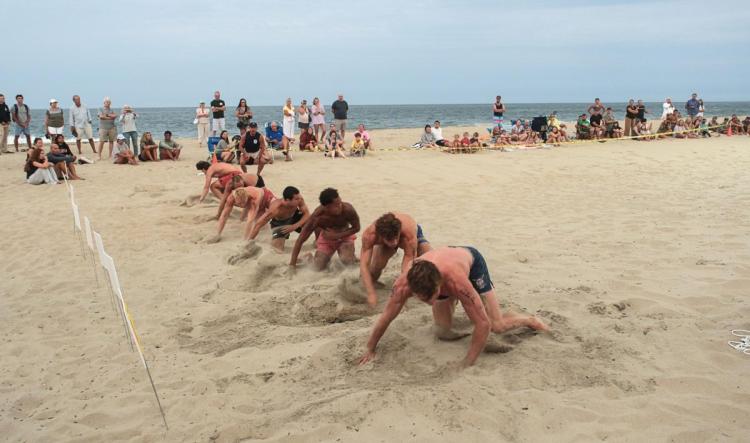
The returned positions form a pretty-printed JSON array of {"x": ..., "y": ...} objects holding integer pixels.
[{"x": 635, "y": 253}]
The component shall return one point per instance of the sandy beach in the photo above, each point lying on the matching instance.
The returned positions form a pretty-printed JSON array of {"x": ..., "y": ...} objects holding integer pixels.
[{"x": 637, "y": 255}]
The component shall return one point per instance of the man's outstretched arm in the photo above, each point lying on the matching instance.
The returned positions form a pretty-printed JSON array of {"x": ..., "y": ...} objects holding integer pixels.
[{"x": 392, "y": 309}]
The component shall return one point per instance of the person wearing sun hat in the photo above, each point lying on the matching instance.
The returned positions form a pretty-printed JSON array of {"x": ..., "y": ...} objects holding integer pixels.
[{"x": 54, "y": 119}]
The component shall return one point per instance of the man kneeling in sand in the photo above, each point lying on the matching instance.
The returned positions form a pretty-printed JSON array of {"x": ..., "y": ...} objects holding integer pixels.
[
  {"x": 223, "y": 171},
  {"x": 335, "y": 224},
  {"x": 440, "y": 278},
  {"x": 381, "y": 240},
  {"x": 253, "y": 201},
  {"x": 286, "y": 216}
]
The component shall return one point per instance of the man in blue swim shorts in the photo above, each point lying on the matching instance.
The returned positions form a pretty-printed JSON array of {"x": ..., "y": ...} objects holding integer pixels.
[
  {"x": 380, "y": 241},
  {"x": 440, "y": 278}
]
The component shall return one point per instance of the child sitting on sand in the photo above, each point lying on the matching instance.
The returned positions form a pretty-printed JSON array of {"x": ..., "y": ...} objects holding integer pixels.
[
  {"x": 358, "y": 146},
  {"x": 334, "y": 144},
  {"x": 465, "y": 141},
  {"x": 474, "y": 141}
]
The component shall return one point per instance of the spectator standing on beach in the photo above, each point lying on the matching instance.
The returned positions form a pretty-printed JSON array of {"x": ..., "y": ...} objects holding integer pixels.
[
  {"x": 202, "y": 123},
  {"x": 127, "y": 118},
  {"x": 217, "y": 108},
  {"x": 701, "y": 108},
  {"x": 287, "y": 123},
  {"x": 243, "y": 114},
  {"x": 318, "y": 119},
  {"x": 642, "y": 111},
  {"x": 22, "y": 119},
  {"x": 54, "y": 120},
  {"x": 4, "y": 124},
  {"x": 80, "y": 123},
  {"x": 667, "y": 108},
  {"x": 631, "y": 114},
  {"x": 498, "y": 109},
  {"x": 303, "y": 117},
  {"x": 340, "y": 109},
  {"x": 692, "y": 106},
  {"x": 107, "y": 128},
  {"x": 596, "y": 112}
]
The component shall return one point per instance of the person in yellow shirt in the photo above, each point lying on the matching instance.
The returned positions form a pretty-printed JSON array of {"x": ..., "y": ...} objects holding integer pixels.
[
  {"x": 358, "y": 146},
  {"x": 552, "y": 121}
]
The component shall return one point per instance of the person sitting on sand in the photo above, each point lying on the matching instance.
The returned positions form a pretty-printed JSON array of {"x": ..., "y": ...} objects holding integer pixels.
[
  {"x": 746, "y": 124},
  {"x": 358, "y": 146},
  {"x": 366, "y": 138},
  {"x": 679, "y": 129},
  {"x": 335, "y": 224},
  {"x": 516, "y": 130},
  {"x": 381, "y": 240},
  {"x": 456, "y": 143},
  {"x": 583, "y": 128},
  {"x": 428, "y": 139},
  {"x": 223, "y": 150},
  {"x": 65, "y": 164},
  {"x": 554, "y": 137},
  {"x": 440, "y": 278},
  {"x": 168, "y": 148},
  {"x": 37, "y": 168},
  {"x": 334, "y": 144},
  {"x": 286, "y": 215},
  {"x": 474, "y": 141},
  {"x": 307, "y": 140},
  {"x": 148, "y": 148},
  {"x": 222, "y": 171},
  {"x": 122, "y": 153},
  {"x": 735, "y": 125},
  {"x": 564, "y": 132},
  {"x": 239, "y": 181},
  {"x": 465, "y": 140},
  {"x": 643, "y": 131},
  {"x": 253, "y": 201}
]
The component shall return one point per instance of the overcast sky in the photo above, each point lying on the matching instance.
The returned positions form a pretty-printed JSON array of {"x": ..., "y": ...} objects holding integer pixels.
[{"x": 176, "y": 52}]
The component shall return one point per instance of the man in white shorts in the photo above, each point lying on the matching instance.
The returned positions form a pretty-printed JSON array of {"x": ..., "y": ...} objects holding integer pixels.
[
  {"x": 80, "y": 123},
  {"x": 217, "y": 109}
]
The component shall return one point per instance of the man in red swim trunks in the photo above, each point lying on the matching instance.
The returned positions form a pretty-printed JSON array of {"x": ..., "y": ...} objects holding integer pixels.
[
  {"x": 223, "y": 171},
  {"x": 335, "y": 224}
]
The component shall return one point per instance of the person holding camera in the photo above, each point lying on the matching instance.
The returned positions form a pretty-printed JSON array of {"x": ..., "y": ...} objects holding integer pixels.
[{"x": 129, "y": 131}]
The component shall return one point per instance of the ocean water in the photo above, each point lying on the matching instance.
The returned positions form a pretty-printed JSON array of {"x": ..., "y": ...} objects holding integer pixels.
[{"x": 180, "y": 120}]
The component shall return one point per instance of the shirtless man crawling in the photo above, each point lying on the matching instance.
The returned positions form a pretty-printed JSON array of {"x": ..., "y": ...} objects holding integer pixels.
[
  {"x": 286, "y": 215},
  {"x": 335, "y": 224},
  {"x": 239, "y": 181},
  {"x": 253, "y": 201},
  {"x": 440, "y": 278},
  {"x": 381, "y": 240},
  {"x": 223, "y": 171}
]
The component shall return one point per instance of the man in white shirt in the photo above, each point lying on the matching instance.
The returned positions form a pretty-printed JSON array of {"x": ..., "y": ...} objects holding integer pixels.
[
  {"x": 80, "y": 123},
  {"x": 437, "y": 131}
]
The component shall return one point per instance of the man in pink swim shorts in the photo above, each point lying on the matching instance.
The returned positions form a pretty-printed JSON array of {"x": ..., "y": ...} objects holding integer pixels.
[{"x": 335, "y": 224}]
